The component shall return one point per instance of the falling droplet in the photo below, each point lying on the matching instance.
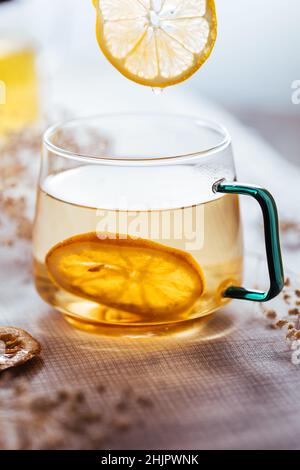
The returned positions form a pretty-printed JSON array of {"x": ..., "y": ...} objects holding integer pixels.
[
  {"x": 156, "y": 5},
  {"x": 157, "y": 91}
]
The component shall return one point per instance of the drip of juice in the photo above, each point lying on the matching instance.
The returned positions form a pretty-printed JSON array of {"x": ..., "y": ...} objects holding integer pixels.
[
  {"x": 157, "y": 91},
  {"x": 18, "y": 86},
  {"x": 176, "y": 208}
]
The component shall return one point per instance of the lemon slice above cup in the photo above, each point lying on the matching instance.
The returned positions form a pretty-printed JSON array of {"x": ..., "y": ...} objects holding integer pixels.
[
  {"x": 156, "y": 42},
  {"x": 135, "y": 275}
]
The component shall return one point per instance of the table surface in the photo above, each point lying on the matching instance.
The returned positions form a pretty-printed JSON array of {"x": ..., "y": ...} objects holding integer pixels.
[{"x": 228, "y": 383}]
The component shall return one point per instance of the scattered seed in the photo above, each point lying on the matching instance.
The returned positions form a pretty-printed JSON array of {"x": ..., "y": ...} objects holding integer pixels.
[
  {"x": 121, "y": 423},
  {"x": 294, "y": 311},
  {"x": 79, "y": 397},
  {"x": 271, "y": 314},
  {"x": 122, "y": 405},
  {"x": 291, "y": 333},
  {"x": 100, "y": 389},
  {"x": 281, "y": 323},
  {"x": 145, "y": 402}
]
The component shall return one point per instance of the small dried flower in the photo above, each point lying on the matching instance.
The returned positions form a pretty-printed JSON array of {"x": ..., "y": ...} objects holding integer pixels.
[
  {"x": 281, "y": 323},
  {"x": 62, "y": 395},
  {"x": 100, "y": 389},
  {"x": 145, "y": 402},
  {"x": 122, "y": 405},
  {"x": 294, "y": 311},
  {"x": 291, "y": 333},
  {"x": 271, "y": 314},
  {"x": 79, "y": 397},
  {"x": 121, "y": 423}
]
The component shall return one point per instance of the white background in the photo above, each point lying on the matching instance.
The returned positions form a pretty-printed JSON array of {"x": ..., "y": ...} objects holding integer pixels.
[{"x": 256, "y": 59}]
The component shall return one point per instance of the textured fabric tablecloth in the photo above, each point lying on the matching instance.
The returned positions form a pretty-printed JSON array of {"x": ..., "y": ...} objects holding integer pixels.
[{"x": 230, "y": 383}]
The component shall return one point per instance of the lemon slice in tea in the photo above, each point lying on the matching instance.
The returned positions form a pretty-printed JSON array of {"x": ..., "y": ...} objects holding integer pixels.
[
  {"x": 156, "y": 42},
  {"x": 134, "y": 275}
]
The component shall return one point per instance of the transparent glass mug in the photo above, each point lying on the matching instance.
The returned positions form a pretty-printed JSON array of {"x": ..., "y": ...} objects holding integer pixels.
[{"x": 138, "y": 222}]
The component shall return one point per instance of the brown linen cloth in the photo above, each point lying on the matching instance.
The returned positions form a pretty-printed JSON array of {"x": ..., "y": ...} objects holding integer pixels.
[{"x": 230, "y": 384}]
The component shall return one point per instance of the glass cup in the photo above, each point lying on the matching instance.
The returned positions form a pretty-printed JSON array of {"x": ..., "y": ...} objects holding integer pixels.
[
  {"x": 19, "y": 87},
  {"x": 138, "y": 222},
  {"x": 19, "y": 74}
]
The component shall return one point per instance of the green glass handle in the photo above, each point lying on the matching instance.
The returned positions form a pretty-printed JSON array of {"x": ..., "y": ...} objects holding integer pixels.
[{"x": 271, "y": 228}]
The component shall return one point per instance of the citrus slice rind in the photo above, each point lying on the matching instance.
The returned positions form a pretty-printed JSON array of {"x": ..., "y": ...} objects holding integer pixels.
[
  {"x": 134, "y": 275},
  {"x": 156, "y": 42}
]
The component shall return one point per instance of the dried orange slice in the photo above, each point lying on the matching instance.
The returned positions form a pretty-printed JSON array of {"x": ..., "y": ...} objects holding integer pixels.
[
  {"x": 134, "y": 275},
  {"x": 16, "y": 347},
  {"x": 156, "y": 42}
]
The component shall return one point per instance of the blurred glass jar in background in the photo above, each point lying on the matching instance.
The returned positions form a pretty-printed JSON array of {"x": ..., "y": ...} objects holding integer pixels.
[{"x": 19, "y": 84}]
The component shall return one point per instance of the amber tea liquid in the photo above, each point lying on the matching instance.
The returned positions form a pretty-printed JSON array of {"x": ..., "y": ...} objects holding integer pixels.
[{"x": 173, "y": 206}]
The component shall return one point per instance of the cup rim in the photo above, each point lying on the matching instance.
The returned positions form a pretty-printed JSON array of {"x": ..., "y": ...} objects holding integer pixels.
[{"x": 225, "y": 140}]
